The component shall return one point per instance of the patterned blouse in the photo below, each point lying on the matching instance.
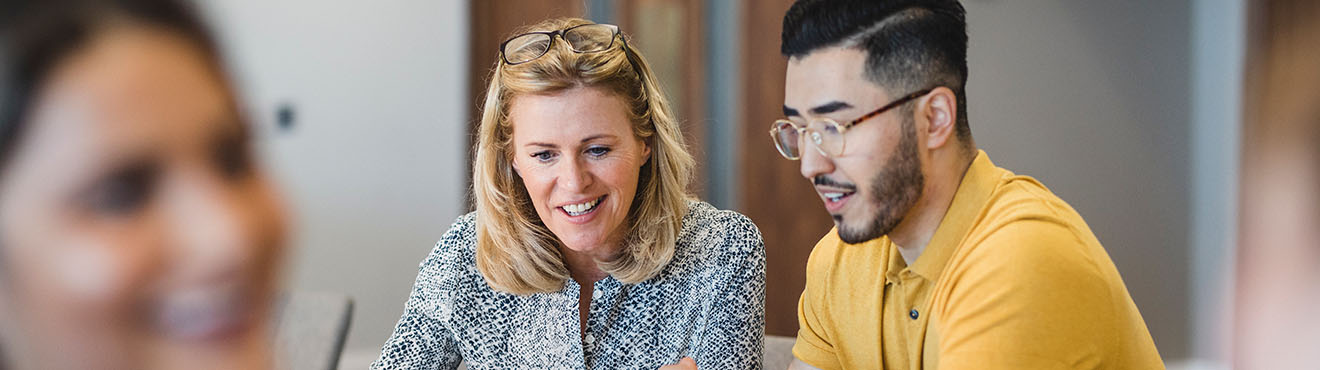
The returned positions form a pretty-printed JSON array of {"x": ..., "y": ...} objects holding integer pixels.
[{"x": 708, "y": 304}]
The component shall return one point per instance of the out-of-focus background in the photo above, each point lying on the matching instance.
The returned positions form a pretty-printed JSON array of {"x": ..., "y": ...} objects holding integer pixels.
[{"x": 1128, "y": 109}]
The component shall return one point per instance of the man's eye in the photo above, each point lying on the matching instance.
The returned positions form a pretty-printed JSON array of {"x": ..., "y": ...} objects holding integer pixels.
[
  {"x": 123, "y": 192},
  {"x": 598, "y": 151}
]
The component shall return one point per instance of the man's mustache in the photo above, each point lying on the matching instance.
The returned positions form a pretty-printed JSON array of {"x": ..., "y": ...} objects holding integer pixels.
[{"x": 822, "y": 180}]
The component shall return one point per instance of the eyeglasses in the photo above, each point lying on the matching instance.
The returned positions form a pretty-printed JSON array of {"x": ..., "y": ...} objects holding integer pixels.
[
  {"x": 587, "y": 38},
  {"x": 825, "y": 133}
]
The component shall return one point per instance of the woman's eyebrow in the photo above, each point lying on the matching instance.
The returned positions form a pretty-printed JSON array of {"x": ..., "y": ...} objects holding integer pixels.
[
  {"x": 599, "y": 136},
  {"x": 584, "y": 140}
]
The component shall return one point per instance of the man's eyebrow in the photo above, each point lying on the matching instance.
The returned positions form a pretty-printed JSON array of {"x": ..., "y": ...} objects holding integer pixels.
[
  {"x": 830, "y": 107},
  {"x": 790, "y": 112}
]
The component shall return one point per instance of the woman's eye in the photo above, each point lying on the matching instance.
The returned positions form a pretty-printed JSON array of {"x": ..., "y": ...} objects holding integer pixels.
[
  {"x": 233, "y": 160},
  {"x": 123, "y": 192},
  {"x": 545, "y": 156},
  {"x": 598, "y": 151}
]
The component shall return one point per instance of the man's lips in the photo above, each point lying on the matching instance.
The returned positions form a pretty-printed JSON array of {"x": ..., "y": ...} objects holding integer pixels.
[{"x": 834, "y": 198}]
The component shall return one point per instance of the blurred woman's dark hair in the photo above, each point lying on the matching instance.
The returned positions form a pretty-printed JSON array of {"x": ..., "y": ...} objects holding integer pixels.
[{"x": 36, "y": 35}]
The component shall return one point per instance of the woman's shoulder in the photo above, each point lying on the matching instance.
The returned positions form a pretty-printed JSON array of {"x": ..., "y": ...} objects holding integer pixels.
[
  {"x": 708, "y": 230},
  {"x": 455, "y": 253}
]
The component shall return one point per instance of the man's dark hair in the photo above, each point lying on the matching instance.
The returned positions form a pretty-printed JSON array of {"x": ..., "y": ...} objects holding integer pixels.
[
  {"x": 36, "y": 35},
  {"x": 910, "y": 44}
]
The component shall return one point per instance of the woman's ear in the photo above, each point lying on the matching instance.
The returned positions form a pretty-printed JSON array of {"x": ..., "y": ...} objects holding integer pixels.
[
  {"x": 646, "y": 152},
  {"x": 513, "y": 163}
]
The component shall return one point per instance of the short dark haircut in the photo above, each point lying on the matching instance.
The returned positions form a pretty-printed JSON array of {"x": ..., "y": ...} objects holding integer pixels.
[
  {"x": 36, "y": 35},
  {"x": 909, "y": 44}
]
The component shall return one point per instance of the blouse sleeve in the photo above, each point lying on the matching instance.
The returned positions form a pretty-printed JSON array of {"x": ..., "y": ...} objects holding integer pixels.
[
  {"x": 734, "y": 337},
  {"x": 420, "y": 339}
]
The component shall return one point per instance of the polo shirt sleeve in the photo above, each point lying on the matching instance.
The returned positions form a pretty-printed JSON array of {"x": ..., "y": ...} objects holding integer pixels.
[
  {"x": 1028, "y": 297},
  {"x": 814, "y": 344}
]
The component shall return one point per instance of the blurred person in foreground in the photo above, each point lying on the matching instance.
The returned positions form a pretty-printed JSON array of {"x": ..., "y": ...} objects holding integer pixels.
[
  {"x": 939, "y": 259},
  {"x": 1277, "y": 313},
  {"x": 135, "y": 230},
  {"x": 585, "y": 250}
]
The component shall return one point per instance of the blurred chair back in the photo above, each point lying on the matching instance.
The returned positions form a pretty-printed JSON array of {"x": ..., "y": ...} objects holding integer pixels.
[
  {"x": 310, "y": 329},
  {"x": 778, "y": 351}
]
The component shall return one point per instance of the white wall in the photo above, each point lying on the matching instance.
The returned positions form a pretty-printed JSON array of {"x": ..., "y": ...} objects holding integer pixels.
[
  {"x": 374, "y": 166},
  {"x": 1092, "y": 98}
]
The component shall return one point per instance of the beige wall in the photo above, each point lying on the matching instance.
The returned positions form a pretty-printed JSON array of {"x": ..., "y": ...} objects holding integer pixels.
[
  {"x": 374, "y": 167},
  {"x": 1091, "y": 98}
]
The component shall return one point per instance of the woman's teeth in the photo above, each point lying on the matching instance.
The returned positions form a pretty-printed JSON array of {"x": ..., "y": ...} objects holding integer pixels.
[
  {"x": 581, "y": 208},
  {"x": 201, "y": 315}
]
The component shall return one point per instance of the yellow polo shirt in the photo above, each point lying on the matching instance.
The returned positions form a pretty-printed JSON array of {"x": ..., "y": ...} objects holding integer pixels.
[{"x": 1012, "y": 279}]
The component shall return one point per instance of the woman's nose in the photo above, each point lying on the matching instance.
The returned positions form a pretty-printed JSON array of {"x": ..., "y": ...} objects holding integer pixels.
[
  {"x": 575, "y": 176},
  {"x": 217, "y": 226}
]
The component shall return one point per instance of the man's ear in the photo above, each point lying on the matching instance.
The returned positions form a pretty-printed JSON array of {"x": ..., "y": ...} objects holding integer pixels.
[{"x": 940, "y": 109}]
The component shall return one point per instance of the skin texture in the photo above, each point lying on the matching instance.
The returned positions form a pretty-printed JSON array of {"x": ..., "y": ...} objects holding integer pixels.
[
  {"x": 136, "y": 231},
  {"x": 571, "y": 147}
]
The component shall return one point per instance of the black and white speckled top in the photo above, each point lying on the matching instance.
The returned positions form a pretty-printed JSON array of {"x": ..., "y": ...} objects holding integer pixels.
[{"x": 708, "y": 303}]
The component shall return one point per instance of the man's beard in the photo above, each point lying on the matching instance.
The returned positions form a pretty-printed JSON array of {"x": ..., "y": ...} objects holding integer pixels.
[{"x": 894, "y": 190}]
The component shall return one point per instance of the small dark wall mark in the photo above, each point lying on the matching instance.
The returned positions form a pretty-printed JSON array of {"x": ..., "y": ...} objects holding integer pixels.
[{"x": 286, "y": 117}]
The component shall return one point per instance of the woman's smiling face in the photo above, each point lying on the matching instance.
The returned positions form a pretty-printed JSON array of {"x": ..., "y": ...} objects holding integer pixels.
[
  {"x": 580, "y": 162},
  {"x": 137, "y": 230}
]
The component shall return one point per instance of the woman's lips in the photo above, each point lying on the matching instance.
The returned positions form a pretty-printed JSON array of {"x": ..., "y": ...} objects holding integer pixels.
[
  {"x": 586, "y": 211},
  {"x": 204, "y": 315}
]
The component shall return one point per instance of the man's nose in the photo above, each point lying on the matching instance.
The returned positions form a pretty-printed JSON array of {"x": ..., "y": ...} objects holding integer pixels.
[{"x": 813, "y": 162}]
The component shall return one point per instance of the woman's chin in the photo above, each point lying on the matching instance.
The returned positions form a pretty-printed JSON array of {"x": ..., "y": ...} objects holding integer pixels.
[{"x": 587, "y": 247}]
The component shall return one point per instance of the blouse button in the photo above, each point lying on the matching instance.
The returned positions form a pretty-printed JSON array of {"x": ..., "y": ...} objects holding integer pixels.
[
  {"x": 590, "y": 338},
  {"x": 913, "y": 314}
]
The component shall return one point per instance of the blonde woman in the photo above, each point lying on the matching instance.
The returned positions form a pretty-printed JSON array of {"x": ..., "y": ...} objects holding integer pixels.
[{"x": 585, "y": 251}]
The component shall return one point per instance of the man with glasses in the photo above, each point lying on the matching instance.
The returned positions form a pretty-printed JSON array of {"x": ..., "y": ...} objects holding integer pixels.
[{"x": 939, "y": 259}]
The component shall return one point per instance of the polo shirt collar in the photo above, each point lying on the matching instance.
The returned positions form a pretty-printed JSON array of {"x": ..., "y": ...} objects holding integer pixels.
[{"x": 977, "y": 185}]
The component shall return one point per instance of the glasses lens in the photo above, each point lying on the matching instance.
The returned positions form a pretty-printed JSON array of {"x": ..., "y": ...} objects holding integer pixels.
[
  {"x": 524, "y": 48},
  {"x": 827, "y": 135},
  {"x": 786, "y": 139},
  {"x": 590, "y": 38}
]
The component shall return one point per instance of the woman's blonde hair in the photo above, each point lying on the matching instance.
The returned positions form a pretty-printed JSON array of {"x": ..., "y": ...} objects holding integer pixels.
[{"x": 516, "y": 253}]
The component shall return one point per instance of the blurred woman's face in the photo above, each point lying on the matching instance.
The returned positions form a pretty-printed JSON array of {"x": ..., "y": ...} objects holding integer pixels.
[
  {"x": 577, "y": 155},
  {"x": 135, "y": 230}
]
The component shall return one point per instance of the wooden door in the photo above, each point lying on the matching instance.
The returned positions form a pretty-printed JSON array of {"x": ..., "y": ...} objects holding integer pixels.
[{"x": 773, "y": 193}]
